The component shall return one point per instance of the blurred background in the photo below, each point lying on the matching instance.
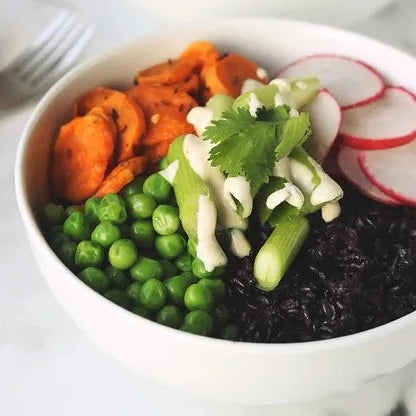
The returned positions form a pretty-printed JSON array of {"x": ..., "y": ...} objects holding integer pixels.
[{"x": 47, "y": 366}]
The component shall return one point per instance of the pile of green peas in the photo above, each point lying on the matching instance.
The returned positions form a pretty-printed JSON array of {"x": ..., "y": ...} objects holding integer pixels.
[{"x": 131, "y": 248}]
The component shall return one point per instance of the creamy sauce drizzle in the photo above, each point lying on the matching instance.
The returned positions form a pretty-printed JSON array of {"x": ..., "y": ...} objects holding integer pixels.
[
  {"x": 207, "y": 249},
  {"x": 250, "y": 85},
  {"x": 239, "y": 246},
  {"x": 290, "y": 193},
  {"x": 330, "y": 211},
  {"x": 301, "y": 85},
  {"x": 281, "y": 168},
  {"x": 254, "y": 104},
  {"x": 239, "y": 188},
  {"x": 196, "y": 151},
  {"x": 200, "y": 118},
  {"x": 281, "y": 83},
  {"x": 261, "y": 73},
  {"x": 170, "y": 171}
]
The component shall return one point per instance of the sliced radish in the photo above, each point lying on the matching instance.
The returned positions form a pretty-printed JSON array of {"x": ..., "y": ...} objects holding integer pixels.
[
  {"x": 393, "y": 171},
  {"x": 385, "y": 123},
  {"x": 350, "y": 168},
  {"x": 351, "y": 81},
  {"x": 325, "y": 116}
]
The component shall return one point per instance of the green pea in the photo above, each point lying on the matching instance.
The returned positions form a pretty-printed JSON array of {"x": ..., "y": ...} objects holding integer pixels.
[
  {"x": 91, "y": 210},
  {"x": 230, "y": 332},
  {"x": 142, "y": 233},
  {"x": 52, "y": 214},
  {"x": 157, "y": 187},
  {"x": 184, "y": 262},
  {"x": 118, "y": 278},
  {"x": 163, "y": 164},
  {"x": 57, "y": 240},
  {"x": 112, "y": 208},
  {"x": 134, "y": 187},
  {"x": 221, "y": 316},
  {"x": 95, "y": 278},
  {"x": 89, "y": 254},
  {"x": 141, "y": 311},
  {"x": 177, "y": 285},
  {"x": 198, "y": 297},
  {"x": 66, "y": 252},
  {"x": 76, "y": 227},
  {"x": 199, "y": 270},
  {"x": 118, "y": 297},
  {"x": 145, "y": 269},
  {"x": 192, "y": 247},
  {"x": 134, "y": 292},
  {"x": 122, "y": 254},
  {"x": 169, "y": 269},
  {"x": 72, "y": 208},
  {"x": 153, "y": 294},
  {"x": 165, "y": 219},
  {"x": 169, "y": 246},
  {"x": 105, "y": 233},
  {"x": 54, "y": 231},
  {"x": 170, "y": 315},
  {"x": 140, "y": 206},
  {"x": 198, "y": 322},
  {"x": 216, "y": 286}
]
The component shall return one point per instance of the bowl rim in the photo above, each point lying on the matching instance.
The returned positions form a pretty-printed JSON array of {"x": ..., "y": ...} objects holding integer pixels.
[{"x": 33, "y": 230}]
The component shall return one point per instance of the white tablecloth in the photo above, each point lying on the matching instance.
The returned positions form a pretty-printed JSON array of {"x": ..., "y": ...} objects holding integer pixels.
[{"x": 47, "y": 366}]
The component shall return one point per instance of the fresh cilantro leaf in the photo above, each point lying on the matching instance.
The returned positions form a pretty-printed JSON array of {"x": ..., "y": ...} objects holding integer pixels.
[{"x": 249, "y": 146}]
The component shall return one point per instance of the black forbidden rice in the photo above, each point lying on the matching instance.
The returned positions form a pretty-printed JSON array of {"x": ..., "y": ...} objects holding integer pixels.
[{"x": 353, "y": 274}]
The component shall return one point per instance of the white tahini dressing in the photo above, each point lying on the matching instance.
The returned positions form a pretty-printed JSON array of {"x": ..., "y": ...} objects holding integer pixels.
[
  {"x": 290, "y": 193},
  {"x": 254, "y": 104},
  {"x": 301, "y": 176},
  {"x": 281, "y": 168},
  {"x": 301, "y": 85},
  {"x": 200, "y": 118},
  {"x": 250, "y": 84},
  {"x": 330, "y": 211},
  {"x": 207, "y": 249},
  {"x": 261, "y": 73},
  {"x": 281, "y": 83},
  {"x": 239, "y": 246},
  {"x": 328, "y": 190},
  {"x": 239, "y": 188},
  {"x": 283, "y": 95},
  {"x": 196, "y": 151},
  {"x": 293, "y": 113},
  {"x": 170, "y": 171}
]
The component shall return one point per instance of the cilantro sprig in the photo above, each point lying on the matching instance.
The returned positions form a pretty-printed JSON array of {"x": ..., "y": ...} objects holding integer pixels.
[{"x": 249, "y": 146}]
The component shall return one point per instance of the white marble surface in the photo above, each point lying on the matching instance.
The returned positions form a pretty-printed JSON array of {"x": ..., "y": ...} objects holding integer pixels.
[{"x": 47, "y": 366}]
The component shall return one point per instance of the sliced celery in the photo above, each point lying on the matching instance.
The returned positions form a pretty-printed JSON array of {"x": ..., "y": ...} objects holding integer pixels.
[
  {"x": 219, "y": 103},
  {"x": 267, "y": 189},
  {"x": 279, "y": 250}
]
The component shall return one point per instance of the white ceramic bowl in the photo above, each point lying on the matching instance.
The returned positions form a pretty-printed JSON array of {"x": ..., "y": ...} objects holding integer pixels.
[
  {"x": 223, "y": 370},
  {"x": 338, "y": 12}
]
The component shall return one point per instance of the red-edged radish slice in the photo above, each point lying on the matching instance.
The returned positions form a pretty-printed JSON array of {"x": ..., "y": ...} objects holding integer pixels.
[
  {"x": 351, "y": 81},
  {"x": 385, "y": 123},
  {"x": 325, "y": 117},
  {"x": 393, "y": 171},
  {"x": 348, "y": 163}
]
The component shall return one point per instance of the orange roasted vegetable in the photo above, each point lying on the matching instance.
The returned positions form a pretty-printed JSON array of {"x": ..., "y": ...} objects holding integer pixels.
[
  {"x": 126, "y": 113},
  {"x": 228, "y": 74},
  {"x": 81, "y": 154},
  {"x": 157, "y": 151},
  {"x": 121, "y": 175},
  {"x": 168, "y": 73},
  {"x": 189, "y": 85},
  {"x": 154, "y": 98},
  {"x": 203, "y": 52},
  {"x": 166, "y": 126}
]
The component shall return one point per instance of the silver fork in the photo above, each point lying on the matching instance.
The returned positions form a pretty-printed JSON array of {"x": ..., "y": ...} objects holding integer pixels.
[{"x": 45, "y": 61}]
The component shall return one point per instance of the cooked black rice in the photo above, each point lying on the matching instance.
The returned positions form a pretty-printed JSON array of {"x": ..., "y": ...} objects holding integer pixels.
[{"x": 353, "y": 274}]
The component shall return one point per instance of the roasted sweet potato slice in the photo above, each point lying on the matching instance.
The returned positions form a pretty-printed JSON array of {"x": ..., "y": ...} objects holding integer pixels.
[
  {"x": 126, "y": 112},
  {"x": 228, "y": 74},
  {"x": 166, "y": 126},
  {"x": 81, "y": 155},
  {"x": 168, "y": 73},
  {"x": 121, "y": 175},
  {"x": 190, "y": 85},
  {"x": 154, "y": 98},
  {"x": 156, "y": 152},
  {"x": 203, "y": 52}
]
